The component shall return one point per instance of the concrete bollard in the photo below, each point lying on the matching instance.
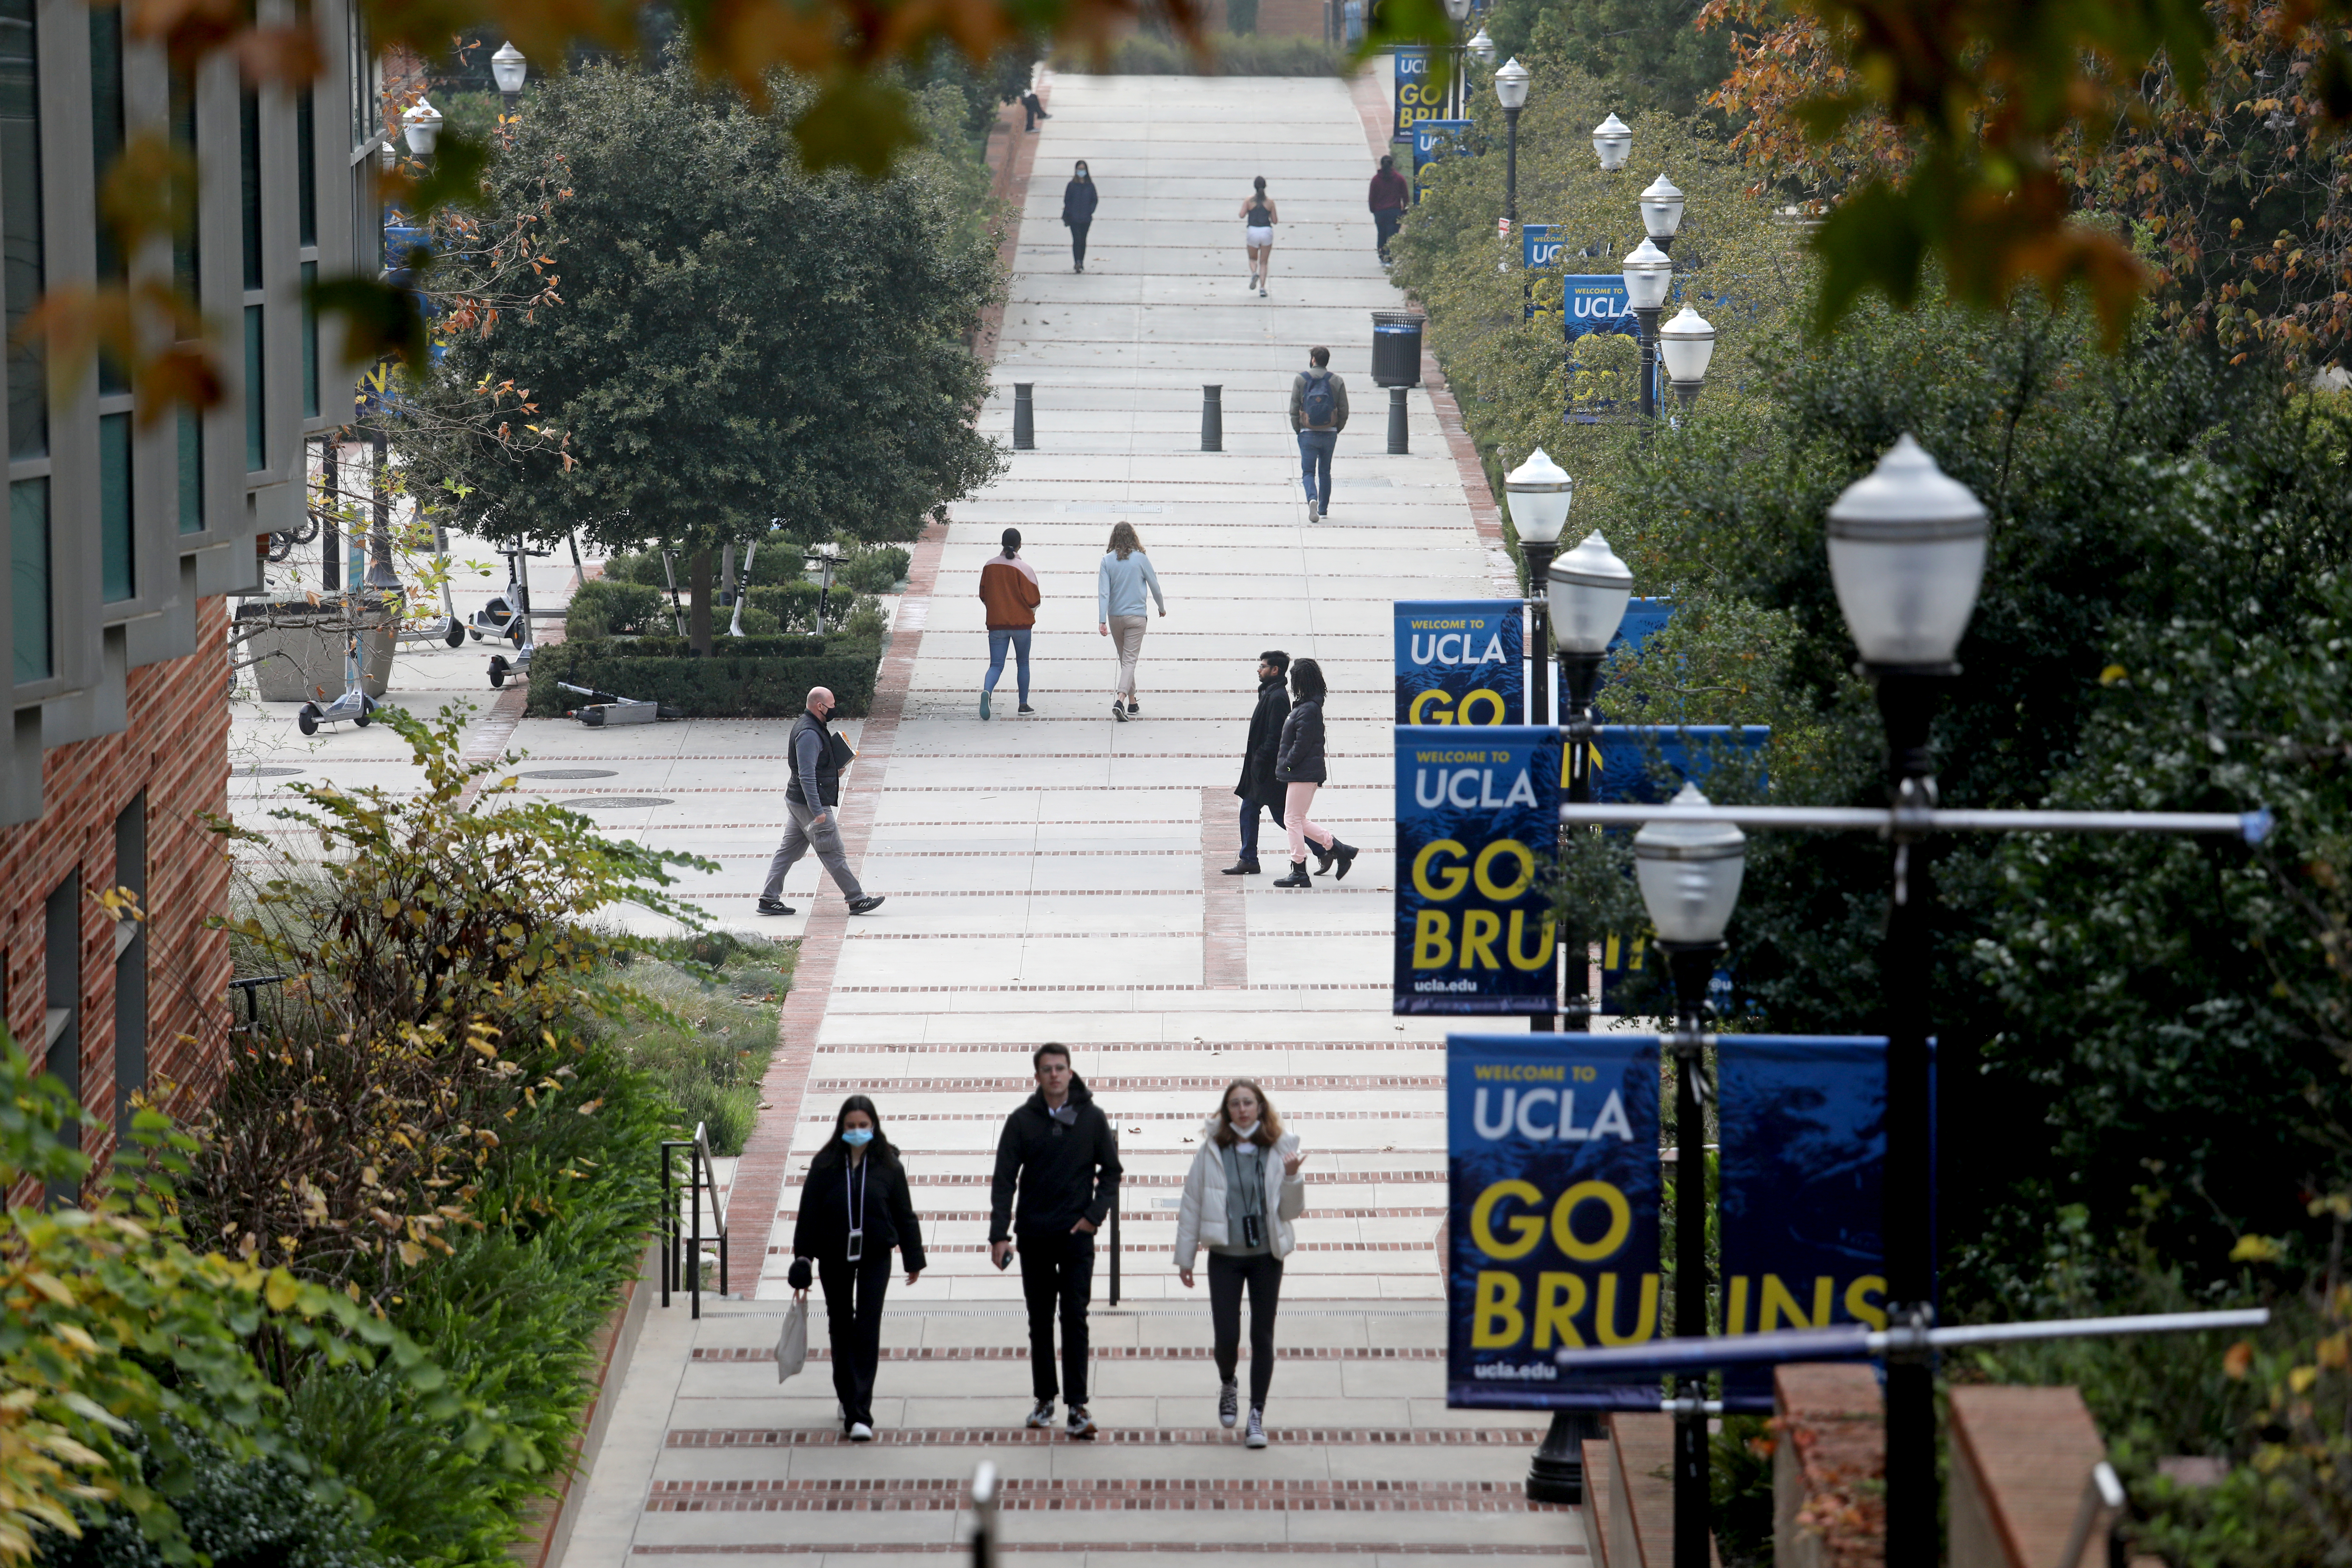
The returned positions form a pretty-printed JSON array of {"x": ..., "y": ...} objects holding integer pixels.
[
  {"x": 1398, "y": 440},
  {"x": 1025, "y": 417},
  {"x": 1212, "y": 418}
]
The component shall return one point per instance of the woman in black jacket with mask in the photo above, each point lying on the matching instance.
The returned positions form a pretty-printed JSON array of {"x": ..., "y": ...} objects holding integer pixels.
[
  {"x": 1299, "y": 768},
  {"x": 1078, "y": 214},
  {"x": 854, "y": 1210}
]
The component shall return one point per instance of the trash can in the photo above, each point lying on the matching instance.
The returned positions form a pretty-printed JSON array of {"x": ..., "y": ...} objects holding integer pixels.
[{"x": 1396, "y": 348}]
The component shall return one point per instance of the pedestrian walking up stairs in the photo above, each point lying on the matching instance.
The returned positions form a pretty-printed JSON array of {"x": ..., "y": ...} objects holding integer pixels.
[{"x": 1059, "y": 878}]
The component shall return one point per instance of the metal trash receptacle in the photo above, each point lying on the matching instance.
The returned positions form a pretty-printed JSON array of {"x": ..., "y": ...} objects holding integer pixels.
[{"x": 1396, "y": 348}]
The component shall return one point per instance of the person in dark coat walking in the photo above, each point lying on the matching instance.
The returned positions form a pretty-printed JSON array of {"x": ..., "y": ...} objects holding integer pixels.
[
  {"x": 1059, "y": 1153},
  {"x": 1258, "y": 789},
  {"x": 1078, "y": 198},
  {"x": 1299, "y": 767},
  {"x": 1388, "y": 198},
  {"x": 854, "y": 1210}
]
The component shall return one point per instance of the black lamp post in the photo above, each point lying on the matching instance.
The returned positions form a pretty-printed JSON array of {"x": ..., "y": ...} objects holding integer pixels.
[
  {"x": 1539, "y": 491},
  {"x": 1689, "y": 874},
  {"x": 1456, "y": 12},
  {"x": 1587, "y": 589},
  {"x": 508, "y": 68},
  {"x": 1907, "y": 548},
  {"x": 1648, "y": 274},
  {"x": 1511, "y": 91}
]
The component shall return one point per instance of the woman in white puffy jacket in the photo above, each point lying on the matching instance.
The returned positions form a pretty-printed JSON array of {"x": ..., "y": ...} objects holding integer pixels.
[{"x": 1240, "y": 1196}]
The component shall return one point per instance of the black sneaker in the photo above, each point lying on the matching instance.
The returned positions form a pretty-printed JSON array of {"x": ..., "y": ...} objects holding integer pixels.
[
  {"x": 1042, "y": 1415},
  {"x": 862, "y": 906},
  {"x": 1229, "y": 1406},
  {"x": 1133, "y": 706},
  {"x": 1118, "y": 709},
  {"x": 1081, "y": 1425},
  {"x": 775, "y": 907},
  {"x": 1024, "y": 708}
]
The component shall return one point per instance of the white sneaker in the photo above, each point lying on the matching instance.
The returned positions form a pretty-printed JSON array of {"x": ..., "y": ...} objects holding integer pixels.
[
  {"x": 859, "y": 1432},
  {"x": 1229, "y": 1406},
  {"x": 1256, "y": 1428}
]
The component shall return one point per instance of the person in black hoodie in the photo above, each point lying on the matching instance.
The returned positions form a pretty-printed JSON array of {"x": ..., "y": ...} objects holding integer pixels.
[
  {"x": 1058, "y": 1152},
  {"x": 1078, "y": 214},
  {"x": 1258, "y": 789},
  {"x": 854, "y": 1210},
  {"x": 1299, "y": 767}
]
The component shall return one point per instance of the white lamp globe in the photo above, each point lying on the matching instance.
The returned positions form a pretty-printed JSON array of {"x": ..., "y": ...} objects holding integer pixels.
[
  {"x": 1483, "y": 46},
  {"x": 1649, "y": 272},
  {"x": 1688, "y": 344},
  {"x": 509, "y": 68},
  {"x": 1689, "y": 872},
  {"x": 1612, "y": 141},
  {"x": 1907, "y": 547},
  {"x": 1540, "y": 491},
  {"x": 422, "y": 123},
  {"x": 1511, "y": 85},
  {"x": 1662, "y": 208},
  {"x": 1588, "y": 591},
  {"x": 1456, "y": 10}
]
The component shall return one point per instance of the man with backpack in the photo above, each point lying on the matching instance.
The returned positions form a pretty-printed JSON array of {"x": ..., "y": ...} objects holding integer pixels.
[{"x": 1318, "y": 412}]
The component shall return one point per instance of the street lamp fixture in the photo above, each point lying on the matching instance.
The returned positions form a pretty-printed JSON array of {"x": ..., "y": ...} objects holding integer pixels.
[
  {"x": 508, "y": 69},
  {"x": 1539, "y": 491},
  {"x": 1648, "y": 275},
  {"x": 422, "y": 123},
  {"x": 1907, "y": 554},
  {"x": 1511, "y": 92},
  {"x": 1483, "y": 48},
  {"x": 1612, "y": 141},
  {"x": 1689, "y": 874},
  {"x": 1688, "y": 344},
  {"x": 1588, "y": 589},
  {"x": 1662, "y": 212}
]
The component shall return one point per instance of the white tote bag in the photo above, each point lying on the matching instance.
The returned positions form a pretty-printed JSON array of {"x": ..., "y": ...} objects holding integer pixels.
[{"x": 792, "y": 1345}]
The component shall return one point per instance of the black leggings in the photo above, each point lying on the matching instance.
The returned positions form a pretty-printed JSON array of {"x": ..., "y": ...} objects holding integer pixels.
[
  {"x": 1078, "y": 241},
  {"x": 1228, "y": 1272}
]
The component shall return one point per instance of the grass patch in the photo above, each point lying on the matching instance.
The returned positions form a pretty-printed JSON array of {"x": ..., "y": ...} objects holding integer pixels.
[{"x": 727, "y": 995}]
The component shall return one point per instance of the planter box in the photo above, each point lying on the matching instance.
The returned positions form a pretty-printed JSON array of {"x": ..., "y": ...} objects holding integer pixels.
[
  {"x": 745, "y": 678},
  {"x": 300, "y": 661}
]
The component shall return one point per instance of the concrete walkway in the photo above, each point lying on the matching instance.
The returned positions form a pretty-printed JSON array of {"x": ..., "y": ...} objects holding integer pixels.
[{"x": 1057, "y": 878}]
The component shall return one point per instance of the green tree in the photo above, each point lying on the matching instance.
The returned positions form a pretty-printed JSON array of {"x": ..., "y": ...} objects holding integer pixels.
[
  {"x": 1649, "y": 54},
  {"x": 738, "y": 341}
]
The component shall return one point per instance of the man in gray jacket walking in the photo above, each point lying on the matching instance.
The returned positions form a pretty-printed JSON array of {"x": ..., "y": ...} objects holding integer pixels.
[
  {"x": 813, "y": 799},
  {"x": 1318, "y": 412}
]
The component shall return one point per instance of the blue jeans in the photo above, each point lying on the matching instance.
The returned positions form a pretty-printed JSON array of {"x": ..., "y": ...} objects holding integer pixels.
[
  {"x": 1250, "y": 810},
  {"x": 999, "y": 638},
  {"x": 1315, "y": 448}
]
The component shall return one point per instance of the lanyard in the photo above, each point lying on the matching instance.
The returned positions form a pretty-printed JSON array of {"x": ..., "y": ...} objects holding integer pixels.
[{"x": 855, "y": 1177}]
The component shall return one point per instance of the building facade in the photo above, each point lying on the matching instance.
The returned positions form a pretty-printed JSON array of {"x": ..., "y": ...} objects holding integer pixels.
[{"x": 126, "y": 532}]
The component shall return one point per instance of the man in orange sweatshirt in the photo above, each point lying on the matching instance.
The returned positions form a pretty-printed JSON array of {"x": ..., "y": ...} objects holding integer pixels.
[{"x": 1008, "y": 588}]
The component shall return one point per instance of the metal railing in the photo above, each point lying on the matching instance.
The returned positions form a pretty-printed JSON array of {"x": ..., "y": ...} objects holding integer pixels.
[
  {"x": 986, "y": 1489},
  {"x": 682, "y": 1243}
]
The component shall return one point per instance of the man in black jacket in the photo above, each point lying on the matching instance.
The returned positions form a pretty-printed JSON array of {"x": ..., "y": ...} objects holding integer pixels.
[
  {"x": 1058, "y": 1150},
  {"x": 1258, "y": 789},
  {"x": 811, "y": 800}
]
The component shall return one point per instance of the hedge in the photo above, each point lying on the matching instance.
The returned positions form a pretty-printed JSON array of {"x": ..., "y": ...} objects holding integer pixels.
[{"x": 745, "y": 678}]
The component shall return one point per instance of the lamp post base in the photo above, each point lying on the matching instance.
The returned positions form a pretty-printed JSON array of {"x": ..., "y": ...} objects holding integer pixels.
[
  {"x": 1400, "y": 436},
  {"x": 1557, "y": 1472}
]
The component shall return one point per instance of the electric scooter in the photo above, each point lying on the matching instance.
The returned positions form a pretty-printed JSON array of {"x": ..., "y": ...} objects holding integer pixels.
[
  {"x": 603, "y": 708},
  {"x": 448, "y": 629},
  {"x": 354, "y": 704},
  {"x": 508, "y": 615}
]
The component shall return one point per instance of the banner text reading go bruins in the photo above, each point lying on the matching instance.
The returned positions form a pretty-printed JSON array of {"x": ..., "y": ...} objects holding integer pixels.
[{"x": 1477, "y": 820}]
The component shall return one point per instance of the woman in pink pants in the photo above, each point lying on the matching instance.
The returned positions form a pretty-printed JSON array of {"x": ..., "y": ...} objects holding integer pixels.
[{"x": 1299, "y": 768}]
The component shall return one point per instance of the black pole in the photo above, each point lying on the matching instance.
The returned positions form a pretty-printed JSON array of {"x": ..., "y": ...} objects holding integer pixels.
[
  {"x": 1556, "y": 1474},
  {"x": 1025, "y": 416},
  {"x": 694, "y": 1253},
  {"x": 507, "y": 103},
  {"x": 331, "y": 532},
  {"x": 381, "y": 573},
  {"x": 1693, "y": 966},
  {"x": 1648, "y": 322},
  {"x": 1511, "y": 168},
  {"x": 1212, "y": 417},
  {"x": 1400, "y": 435},
  {"x": 1908, "y": 696},
  {"x": 1539, "y": 558}
]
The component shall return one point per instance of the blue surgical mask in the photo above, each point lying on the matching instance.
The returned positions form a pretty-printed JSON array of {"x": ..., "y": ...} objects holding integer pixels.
[{"x": 859, "y": 1137}]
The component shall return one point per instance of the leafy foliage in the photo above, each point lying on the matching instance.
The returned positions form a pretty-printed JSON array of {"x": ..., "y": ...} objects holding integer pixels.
[{"x": 1238, "y": 53}]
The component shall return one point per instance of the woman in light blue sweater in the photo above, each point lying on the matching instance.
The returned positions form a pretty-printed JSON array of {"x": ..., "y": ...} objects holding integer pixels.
[{"x": 1120, "y": 588}]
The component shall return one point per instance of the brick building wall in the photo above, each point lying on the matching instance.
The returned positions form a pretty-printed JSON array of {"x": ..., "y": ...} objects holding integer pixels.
[{"x": 175, "y": 750}]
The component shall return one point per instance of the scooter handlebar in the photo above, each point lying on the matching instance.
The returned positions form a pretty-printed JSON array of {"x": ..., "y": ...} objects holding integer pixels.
[{"x": 593, "y": 695}]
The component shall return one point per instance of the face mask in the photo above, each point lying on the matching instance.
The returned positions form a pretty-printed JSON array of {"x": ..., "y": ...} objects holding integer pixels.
[
  {"x": 859, "y": 1137},
  {"x": 1243, "y": 1129}
]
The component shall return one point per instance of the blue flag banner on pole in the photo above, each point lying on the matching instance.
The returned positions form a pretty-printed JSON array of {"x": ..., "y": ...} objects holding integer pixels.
[
  {"x": 1476, "y": 819},
  {"x": 1420, "y": 92},
  {"x": 1552, "y": 1215},
  {"x": 1458, "y": 662},
  {"x": 1690, "y": 752},
  {"x": 1433, "y": 141},
  {"x": 1803, "y": 1125},
  {"x": 1596, "y": 303},
  {"x": 1643, "y": 619}
]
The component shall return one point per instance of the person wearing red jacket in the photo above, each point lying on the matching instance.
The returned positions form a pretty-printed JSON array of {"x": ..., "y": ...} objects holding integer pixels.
[
  {"x": 1008, "y": 587},
  {"x": 1390, "y": 195}
]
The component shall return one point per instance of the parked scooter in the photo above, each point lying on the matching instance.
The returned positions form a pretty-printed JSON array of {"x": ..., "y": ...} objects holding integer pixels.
[
  {"x": 354, "y": 704},
  {"x": 605, "y": 708},
  {"x": 508, "y": 615}
]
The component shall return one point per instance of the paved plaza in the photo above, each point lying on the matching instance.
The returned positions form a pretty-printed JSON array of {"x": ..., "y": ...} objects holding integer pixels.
[{"x": 1056, "y": 877}]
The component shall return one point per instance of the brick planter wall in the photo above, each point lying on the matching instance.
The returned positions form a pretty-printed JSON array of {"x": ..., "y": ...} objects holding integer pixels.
[{"x": 1829, "y": 1468}]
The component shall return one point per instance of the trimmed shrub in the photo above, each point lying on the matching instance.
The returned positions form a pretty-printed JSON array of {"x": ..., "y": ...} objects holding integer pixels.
[
  {"x": 741, "y": 679},
  {"x": 877, "y": 570},
  {"x": 603, "y": 607}
]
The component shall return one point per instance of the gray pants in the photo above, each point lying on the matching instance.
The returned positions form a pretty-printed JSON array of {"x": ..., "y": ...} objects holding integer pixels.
[{"x": 801, "y": 834}]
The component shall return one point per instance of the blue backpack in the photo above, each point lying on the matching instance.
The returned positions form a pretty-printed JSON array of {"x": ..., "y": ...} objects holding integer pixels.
[{"x": 1322, "y": 410}]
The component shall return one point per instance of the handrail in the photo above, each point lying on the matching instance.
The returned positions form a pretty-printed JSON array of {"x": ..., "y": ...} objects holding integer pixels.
[
  {"x": 700, "y": 1179},
  {"x": 986, "y": 1491},
  {"x": 1114, "y": 1228}
]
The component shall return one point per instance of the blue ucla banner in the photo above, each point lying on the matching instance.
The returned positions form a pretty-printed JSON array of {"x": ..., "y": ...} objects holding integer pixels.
[
  {"x": 1476, "y": 821},
  {"x": 1631, "y": 755},
  {"x": 1420, "y": 92},
  {"x": 1803, "y": 1125},
  {"x": 1433, "y": 141},
  {"x": 1459, "y": 661},
  {"x": 1552, "y": 1216},
  {"x": 1596, "y": 303}
]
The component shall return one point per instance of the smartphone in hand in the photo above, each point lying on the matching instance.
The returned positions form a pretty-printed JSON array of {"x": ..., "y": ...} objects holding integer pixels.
[{"x": 1006, "y": 1261}]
